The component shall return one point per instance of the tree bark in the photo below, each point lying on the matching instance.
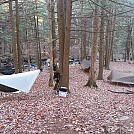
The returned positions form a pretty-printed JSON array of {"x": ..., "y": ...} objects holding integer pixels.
[
  {"x": 61, "y": 33},
  {"x": 101, "y": 50},
  {"x": 92, "y": 80},
  {"x": 84, "y": 39},
  {"x": 108, "y": 44},
  {"x": 64, "y": 23},
  {"x": 65, "y": 77},
  {"x": 133, "y": 43},
  {"x": 38, "y": 49},
  {"x": 13, "y": 37},
  {"x": 18, "y": 38},
  {"x": 51, "y": 42},
  {"x": 113, "y": 33},
  {"x": 128, "y": 42},
  {"x": 53, "y": 34},
  {"x": 26, "y": 35}
]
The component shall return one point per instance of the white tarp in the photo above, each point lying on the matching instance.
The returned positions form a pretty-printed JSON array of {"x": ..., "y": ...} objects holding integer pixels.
[{"x": 21, "y": 81}]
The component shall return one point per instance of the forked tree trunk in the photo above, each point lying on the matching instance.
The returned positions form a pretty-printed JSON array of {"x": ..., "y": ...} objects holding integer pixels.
[{"x": 92, "y": 80}]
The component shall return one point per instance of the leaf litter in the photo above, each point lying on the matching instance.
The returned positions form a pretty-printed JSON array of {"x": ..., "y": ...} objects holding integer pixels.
[{"x": 84, "y": 111}]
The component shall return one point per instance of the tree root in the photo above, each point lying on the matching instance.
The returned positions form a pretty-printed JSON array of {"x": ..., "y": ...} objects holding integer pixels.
[{"x": 91, "y": 83}]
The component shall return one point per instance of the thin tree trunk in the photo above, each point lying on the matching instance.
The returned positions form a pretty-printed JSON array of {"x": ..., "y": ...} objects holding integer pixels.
[
  {"x": 53, "y": 33},
  {"x": 128, "y": 42},
  {"x": 113, "y": 33},
  {"x": 82, "y": 34},
  {"x": 36, "y": 41},
  {"x": 110, "y": 40},
  {"x": 51, "y": 42},
  {"x": 101, "y": 50},
  {"x": 18, "y": 38},
  {"x": 108, "y": 46},
  {"x": 13, "y": 37},
  {"x": 38, "y": 49},
  {"x": 26, "y": 36},
  {"x": 133, "y": 44},
  {"x": 84, "y": 39}
]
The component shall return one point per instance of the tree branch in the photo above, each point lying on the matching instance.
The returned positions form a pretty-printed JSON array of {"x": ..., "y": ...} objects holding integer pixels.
[{"x": 120, "y": 3}]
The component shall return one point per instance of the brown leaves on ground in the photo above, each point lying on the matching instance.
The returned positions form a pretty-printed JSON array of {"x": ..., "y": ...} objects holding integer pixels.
[{"x": 83, "y": 111}]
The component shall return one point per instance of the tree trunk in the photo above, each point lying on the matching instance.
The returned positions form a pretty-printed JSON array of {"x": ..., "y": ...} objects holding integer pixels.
[
  {"x": 36, "y": 40},
  {"x": 101, "y": 50},
  {"x": 13, "y": 37},
  {"x": 92, "y": 80},
  {"x": 51, "y": 42},
  {"x": 128, "y": 42},
  {"x": 133, "y": 44},
  {"x": 64, "y": 9},
  {"x": 108, "y": 44},
  {"x": 53, "y": 34},
  {"x": 38, "y": 49},
  {"x": 84, "y": 38},
  {"x": 18, "y": 38},
  {"x": 110, "y": 39},
  {"x": 61, "y": 33},
  {"x": 113, "y": 33},
  {"x": 65, "y": 77},
  {"x": 82, "y": 34},
  {"x": 26, "y": 36}
]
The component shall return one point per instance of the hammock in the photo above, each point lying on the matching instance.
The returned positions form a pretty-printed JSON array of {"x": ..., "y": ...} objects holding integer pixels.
[{"x": 18, "y": 82}]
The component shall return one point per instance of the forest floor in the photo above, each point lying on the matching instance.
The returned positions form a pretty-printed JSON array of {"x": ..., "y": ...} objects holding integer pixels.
[{"x": 84, "y": 111}]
